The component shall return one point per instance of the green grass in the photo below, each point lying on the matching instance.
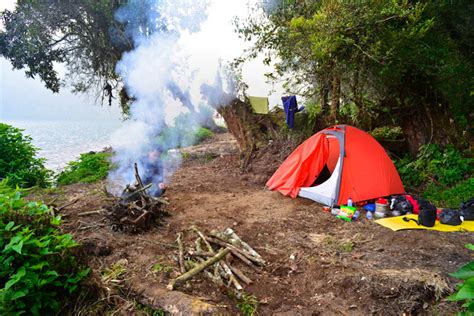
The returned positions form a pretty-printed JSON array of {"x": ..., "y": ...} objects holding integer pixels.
[
  {"x": 90, "y": 168},
  {"x": 247, "y": 304}
]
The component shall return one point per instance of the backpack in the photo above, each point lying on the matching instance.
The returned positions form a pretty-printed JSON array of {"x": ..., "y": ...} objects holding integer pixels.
[
  {"x": 467, "y": 210},
  {"x": 400, "y": 205},
  {"x": 426, "y": 215},
  {"x": 450, "y": 217}
]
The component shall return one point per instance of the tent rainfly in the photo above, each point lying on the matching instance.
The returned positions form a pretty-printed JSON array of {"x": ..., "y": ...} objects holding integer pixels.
[{"x": 336, "y": 164}]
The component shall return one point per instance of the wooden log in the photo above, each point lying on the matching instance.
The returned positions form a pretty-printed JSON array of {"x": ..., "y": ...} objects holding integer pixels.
[
  {"x": 198, "y": 244},
  {"x": 231, "y": 237},
  {"x": 213, "y": 278},
  {"x": 231, "y": 276},
  {"x": 235, "y": 251},
  {"x": 128, "y": 221},
  {"x": 209, "y": 262},
  {"x": 240, "y": 275},
  {"x": 137, "y": 176},
  {"x": 194, "y": 253},
  {"x": 181, "y": 254},
  {"x": 203, "y": 238},
  {"x": 138, "y": 191},
  {"x": 227, "y": 270}
]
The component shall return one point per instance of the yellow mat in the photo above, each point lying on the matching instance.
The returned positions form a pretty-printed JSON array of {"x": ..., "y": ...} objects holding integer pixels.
[{"x": 397, "y": 223}]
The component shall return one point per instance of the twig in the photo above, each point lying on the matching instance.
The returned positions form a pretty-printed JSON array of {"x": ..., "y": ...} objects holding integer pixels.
[
  {"x": 128, "y": 221},
  {"x": 186, "y": 276},
  {"x": 92, "y": 226},
  {"x": 52, "y": 201},
  {"x": 91, "y": 212},
  {"x": 159, "y": 243},
  {"x": 58, "y": 209},
  {"x": 162, "y": 201}
]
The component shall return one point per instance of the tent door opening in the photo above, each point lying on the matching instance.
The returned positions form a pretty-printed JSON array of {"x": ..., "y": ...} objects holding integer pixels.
[{"x": 331, "y": 161}]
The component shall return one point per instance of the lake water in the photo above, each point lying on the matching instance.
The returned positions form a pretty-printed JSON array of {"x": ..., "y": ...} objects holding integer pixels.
[{"x": 62, "y": 141}]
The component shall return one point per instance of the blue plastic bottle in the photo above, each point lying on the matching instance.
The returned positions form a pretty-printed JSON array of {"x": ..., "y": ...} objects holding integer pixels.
[
  {"x": 356, "y": 215},
  {"x": 349, "y": 202},
  {"x": 369, "y": 215}
]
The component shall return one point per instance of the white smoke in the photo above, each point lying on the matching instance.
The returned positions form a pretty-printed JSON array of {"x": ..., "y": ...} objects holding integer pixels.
[{"x": 176, "y": 53}]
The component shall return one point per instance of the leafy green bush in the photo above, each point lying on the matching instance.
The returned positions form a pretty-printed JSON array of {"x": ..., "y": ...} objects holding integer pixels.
[
  {"x": 465, "y": 290},
  {"x": 91, "y": 167},
  {"x": 202, "y": 134},
  {"x": 37, "y": 270},
  {"x": 17, "y": 159},
  {"x": 450, "y": 197},
  {"x": 387, "y": 133},
  {"x": 443, "y": 174}
]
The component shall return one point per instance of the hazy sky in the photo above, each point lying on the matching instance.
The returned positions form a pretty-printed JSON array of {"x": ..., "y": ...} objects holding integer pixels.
[{"x": 23, "y": 98}]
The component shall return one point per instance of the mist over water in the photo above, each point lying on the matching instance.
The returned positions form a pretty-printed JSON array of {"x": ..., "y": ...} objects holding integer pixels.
[
  {"x": 60, "y": 142},
  {"x": 164, "y": 75}
]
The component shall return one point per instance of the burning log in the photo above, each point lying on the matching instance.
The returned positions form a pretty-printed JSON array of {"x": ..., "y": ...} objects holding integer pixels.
[{"x": 135, "y": 210}]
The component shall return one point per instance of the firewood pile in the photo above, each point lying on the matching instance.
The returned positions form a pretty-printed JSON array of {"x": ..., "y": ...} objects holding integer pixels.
[
  {"x": 135, "y": 210},
  {"x": 214, "y": 256}
]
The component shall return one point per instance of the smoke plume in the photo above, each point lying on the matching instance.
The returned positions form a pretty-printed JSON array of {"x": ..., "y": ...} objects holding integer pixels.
[{"x": 163, "y": 74}]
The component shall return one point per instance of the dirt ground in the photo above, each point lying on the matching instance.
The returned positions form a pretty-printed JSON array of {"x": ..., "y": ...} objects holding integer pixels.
[{"x": 317, "y": 264}]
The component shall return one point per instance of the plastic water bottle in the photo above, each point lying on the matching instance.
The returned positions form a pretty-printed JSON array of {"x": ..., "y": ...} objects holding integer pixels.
[
  {"x": 369, "y": 215},
  {"x": 349, "y": 202},
  {"x": 356, "y": 215}
]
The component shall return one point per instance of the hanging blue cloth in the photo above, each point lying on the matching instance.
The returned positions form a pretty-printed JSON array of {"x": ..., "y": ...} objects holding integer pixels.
[{"x": 291, "y": 107}]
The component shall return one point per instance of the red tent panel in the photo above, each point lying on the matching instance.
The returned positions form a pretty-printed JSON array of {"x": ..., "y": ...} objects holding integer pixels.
[
  {"x": 368, "y": 172},
  {"x": 302, "y": 167}
]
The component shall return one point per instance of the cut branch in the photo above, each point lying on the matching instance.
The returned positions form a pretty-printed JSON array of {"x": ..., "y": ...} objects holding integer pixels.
[{"x": 200, "y": 267}]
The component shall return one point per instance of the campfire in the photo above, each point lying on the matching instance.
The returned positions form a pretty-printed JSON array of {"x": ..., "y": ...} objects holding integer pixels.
[{"x": 135, "y": 210}]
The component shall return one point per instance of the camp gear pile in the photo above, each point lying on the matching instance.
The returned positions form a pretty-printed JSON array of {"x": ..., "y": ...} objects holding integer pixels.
[{"x": 408, "y": 209}]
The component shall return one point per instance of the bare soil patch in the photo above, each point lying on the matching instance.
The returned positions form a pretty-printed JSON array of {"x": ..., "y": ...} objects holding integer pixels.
[{"x": 317, "y": 264}]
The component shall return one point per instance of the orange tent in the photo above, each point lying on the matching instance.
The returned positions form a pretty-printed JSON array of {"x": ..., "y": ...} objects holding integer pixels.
[{"x": 336, "y": 164}]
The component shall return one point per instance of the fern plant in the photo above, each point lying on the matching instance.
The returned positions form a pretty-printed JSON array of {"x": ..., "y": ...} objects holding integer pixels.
[{"x": 465, "y": 290}]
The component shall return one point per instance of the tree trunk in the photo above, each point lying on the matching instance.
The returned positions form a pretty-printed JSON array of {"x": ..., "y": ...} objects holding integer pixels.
[
  {"x": 421, "y": 126},
  {"x": 335, "y": 97},
  {"x": 251, "y": 130}
]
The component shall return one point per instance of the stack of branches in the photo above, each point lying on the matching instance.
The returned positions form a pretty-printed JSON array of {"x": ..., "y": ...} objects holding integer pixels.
[
  {"x": 135, "y": 210},
  {"x": 214, "y": 256}
]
